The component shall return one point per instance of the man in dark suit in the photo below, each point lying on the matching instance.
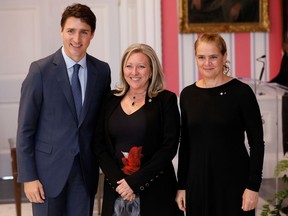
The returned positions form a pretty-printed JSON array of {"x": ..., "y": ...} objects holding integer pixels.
[{"x": 54, "y": 136}]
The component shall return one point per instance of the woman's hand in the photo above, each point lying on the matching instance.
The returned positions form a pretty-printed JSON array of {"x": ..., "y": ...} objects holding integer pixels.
[
  {"x": 249, "y": 200},
  {"x": 181, "y": 199},
  {"x": 124, "y": 190}
]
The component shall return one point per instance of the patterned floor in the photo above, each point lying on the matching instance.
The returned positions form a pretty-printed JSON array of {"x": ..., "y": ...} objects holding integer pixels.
[{"x": 9, "y": 209}]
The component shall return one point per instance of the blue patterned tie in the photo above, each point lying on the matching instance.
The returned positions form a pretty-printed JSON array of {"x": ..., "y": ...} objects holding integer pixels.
[{"x": 76, "y": 89}]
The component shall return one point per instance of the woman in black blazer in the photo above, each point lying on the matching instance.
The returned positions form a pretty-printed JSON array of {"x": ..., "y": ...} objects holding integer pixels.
[{"x": 138, "y": 138}]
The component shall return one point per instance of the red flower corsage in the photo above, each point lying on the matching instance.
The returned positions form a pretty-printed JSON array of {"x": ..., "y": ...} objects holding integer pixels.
[{"x": 133, "y": 162}]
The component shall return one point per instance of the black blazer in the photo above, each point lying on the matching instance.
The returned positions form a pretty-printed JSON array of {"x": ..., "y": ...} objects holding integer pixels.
[
  {"x": 155, "y": 182},
  {"x": 48, "y": 131}
]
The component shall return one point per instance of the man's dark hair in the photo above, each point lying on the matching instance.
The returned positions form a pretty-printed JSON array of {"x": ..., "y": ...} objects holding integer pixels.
[{"x": 79, "y": 11}]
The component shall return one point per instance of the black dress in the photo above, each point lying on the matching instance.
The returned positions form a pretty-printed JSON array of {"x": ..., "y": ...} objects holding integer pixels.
[
  {"x": 214, "y": 164},
  {"x": 156, "y": 128},
  {"x": 124, "y": 138}
]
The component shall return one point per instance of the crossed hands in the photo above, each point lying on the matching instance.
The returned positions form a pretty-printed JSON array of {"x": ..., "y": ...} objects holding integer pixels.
[
  {"x": 124, "y": 190},
  {"x": 35, "y": 193}
]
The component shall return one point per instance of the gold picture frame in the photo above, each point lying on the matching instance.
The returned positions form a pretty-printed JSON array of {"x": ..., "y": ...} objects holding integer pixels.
[{"x": 262, "y": 24}]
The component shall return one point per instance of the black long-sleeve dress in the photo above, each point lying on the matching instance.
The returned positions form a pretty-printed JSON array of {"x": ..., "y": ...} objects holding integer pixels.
[{"x": 214, "y": 164}]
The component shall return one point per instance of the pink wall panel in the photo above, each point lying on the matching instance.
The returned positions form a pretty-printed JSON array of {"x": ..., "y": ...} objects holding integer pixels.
[
  {"x": 170, "y": 44},
  {"x": 242, "y": 54},
  {"x": 275, "y": 38}
]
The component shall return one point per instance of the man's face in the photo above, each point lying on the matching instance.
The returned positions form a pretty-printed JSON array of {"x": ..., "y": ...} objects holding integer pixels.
[{"x": 76, "y": 36}]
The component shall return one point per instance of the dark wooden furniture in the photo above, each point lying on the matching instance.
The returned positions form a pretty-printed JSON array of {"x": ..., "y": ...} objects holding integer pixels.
[{"x": 16, "y": 185}]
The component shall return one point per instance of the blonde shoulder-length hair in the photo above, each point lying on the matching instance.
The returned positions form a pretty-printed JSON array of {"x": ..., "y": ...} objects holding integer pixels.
[{"x": 156, "y": 82}]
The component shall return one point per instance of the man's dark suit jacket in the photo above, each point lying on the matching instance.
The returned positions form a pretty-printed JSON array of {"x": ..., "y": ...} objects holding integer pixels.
[{"x": 48, "y": 131}]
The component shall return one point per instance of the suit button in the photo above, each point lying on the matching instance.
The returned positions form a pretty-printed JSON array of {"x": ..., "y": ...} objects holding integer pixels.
[{"x": 141, "y": 188}]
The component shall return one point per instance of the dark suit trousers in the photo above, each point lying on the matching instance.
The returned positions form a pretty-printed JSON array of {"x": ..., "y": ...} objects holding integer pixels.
[{"x": 74, "y": 200}]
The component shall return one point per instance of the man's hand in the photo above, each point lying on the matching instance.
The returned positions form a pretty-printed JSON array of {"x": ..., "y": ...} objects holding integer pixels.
[{"x": 34, "y": 191}]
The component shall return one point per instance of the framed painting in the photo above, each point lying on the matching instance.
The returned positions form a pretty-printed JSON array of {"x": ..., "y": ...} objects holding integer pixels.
[{"x": 196, "y": 16}]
